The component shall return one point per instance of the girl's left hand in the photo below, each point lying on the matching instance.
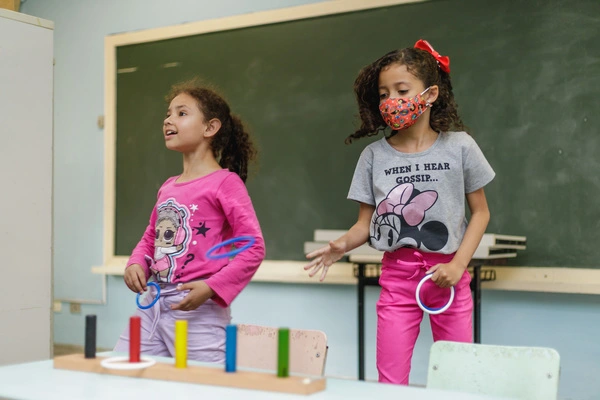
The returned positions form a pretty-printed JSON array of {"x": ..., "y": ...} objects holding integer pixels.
[
  {"x": 446, "y": 275},
  {"x": 199, "y": 293}
]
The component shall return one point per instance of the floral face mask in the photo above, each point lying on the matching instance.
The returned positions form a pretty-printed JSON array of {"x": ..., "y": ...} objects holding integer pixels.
[{"x": 402, "y": 112}]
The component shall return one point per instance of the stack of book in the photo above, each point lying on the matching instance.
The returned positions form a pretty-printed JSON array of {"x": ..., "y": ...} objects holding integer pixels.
[{"x": 494, "y": 246}]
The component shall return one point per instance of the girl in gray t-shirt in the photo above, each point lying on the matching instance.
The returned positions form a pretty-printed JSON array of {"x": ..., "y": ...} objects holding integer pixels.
[{"x": 411, "y": 187}]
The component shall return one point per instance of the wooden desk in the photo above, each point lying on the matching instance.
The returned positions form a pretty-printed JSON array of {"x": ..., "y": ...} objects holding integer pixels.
[
  {"x": 371, "y": 279},
  {"x": 39, "y": 380}
]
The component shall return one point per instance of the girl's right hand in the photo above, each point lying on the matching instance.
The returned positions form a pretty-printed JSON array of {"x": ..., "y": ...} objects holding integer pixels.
[
  {"x": 135, "y": 278},
  {"x": 324, "y": 257}
]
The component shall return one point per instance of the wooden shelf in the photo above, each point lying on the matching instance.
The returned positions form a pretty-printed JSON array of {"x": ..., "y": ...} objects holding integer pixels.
[{"x": 517, "y": 278}]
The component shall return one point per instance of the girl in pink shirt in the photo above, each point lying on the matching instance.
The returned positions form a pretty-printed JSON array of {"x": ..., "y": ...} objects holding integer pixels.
[{"x": 204, "y": 206}]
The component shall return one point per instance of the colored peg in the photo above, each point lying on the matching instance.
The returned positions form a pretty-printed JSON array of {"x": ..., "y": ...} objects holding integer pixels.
[
  {"x": 181, "y": 343},
  {"x": 283, "y": 353},
  {"x": 230, "y": 348},
  {"x": 135, "y": 336},
  {"x": 90, "y": 336}
]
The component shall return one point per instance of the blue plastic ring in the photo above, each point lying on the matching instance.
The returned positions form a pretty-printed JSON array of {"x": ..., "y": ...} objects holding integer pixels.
[
  {"x": 231, "y": 253},
  {"x": 137, "y": 299}
]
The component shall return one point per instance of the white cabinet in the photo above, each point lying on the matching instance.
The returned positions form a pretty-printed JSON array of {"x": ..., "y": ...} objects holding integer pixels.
[{"x": 26, "y": 132}]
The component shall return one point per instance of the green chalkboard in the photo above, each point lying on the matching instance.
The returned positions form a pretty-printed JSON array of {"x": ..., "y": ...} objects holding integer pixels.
[{"x": 526, "y": 75}]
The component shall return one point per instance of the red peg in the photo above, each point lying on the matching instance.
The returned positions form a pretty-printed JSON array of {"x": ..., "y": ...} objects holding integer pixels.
[{"x": 135, "y": 334}]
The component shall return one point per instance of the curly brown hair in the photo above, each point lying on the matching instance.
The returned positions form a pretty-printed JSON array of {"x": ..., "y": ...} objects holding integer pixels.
[
  {"x": 232, "y": 145},
  {"x": 444, "y": 111}
]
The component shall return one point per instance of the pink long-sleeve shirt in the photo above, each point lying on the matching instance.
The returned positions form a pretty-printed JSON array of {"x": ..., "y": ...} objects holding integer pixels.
[{"x": 191, "y": 217}]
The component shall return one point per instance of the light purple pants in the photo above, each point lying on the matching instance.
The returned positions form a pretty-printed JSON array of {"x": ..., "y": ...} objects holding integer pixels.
[
  {"x": 206, "y": 327},
  {"x": 399, "y": 317}
]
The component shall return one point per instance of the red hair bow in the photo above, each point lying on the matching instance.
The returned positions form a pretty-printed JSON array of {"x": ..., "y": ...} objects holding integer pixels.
[{"x": 443, "y": 61}]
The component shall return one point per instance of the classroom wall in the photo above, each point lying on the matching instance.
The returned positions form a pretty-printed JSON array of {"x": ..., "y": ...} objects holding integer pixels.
[{"x": 566, "y": 322}]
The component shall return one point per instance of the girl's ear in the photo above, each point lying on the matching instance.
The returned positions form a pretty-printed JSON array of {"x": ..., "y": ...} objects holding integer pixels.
[
  {"x": 212, "y": 127},
  {"x": 432, "y": 94}
]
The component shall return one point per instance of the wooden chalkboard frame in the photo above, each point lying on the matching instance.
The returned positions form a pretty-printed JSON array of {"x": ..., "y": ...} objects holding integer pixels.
[
  {"x": 546, "y": 279},
  {"x": 112, "y": 42}
]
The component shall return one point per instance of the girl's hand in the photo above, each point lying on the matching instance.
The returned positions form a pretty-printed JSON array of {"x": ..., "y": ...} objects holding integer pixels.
[
  {"x": 446, "y": 275},
  {"x": 199, "y": 293},
  {"x": 324, "y": 257},
  {"x": 135, "y": 278}
]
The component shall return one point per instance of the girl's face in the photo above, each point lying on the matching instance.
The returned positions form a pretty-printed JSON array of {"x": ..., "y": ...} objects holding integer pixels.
[
  {"x": 185, "y": 126},
  {"x": 395, "y": 81}
]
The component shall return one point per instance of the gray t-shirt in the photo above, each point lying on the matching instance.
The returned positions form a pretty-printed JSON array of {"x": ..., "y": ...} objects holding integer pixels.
[{"x": 419, "y": 198}]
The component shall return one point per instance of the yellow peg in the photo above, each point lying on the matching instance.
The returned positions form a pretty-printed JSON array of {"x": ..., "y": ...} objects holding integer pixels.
[{"x": 181, "y": 344}]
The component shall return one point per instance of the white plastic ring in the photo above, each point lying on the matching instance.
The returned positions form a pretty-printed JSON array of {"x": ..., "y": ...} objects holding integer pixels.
[
  {"x": 118, "y": 363},
  {"x": 423, "y": 306}
]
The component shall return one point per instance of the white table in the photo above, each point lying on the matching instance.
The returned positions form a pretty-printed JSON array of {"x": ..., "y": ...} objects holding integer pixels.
[{"x": 39, "y": 380}]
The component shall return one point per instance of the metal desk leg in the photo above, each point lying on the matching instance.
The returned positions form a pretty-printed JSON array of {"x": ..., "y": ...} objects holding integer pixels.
[
  {"x": 361, "y": 322},
  {"x": 477, "y": 303}
]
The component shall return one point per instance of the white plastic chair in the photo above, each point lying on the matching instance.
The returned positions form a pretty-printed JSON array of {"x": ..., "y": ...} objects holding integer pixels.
[
  {"x": 528, "y": 373},
  {"x": 257, "y": 348}
]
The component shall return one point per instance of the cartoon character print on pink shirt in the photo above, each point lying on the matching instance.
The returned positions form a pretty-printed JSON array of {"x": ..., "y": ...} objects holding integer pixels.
[
  {"x": 399, "y": 215},
  {"x": 172, "y": 235}
]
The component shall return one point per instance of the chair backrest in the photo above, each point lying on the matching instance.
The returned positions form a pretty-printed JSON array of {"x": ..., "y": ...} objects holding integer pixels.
[
  {"x": 528, "y": 373},
  {"x": 257, "y": 348}
]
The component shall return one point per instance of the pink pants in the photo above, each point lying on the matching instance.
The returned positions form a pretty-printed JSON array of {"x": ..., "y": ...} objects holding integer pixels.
[
  {"x": 206, "y": 327},
  {"x": 399, "y": 317}
]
